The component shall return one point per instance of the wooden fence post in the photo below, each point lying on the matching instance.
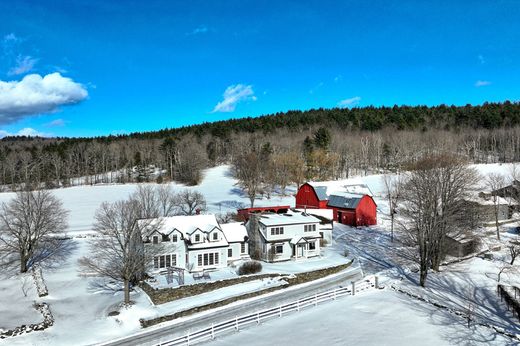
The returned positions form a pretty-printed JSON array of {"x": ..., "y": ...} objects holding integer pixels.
[
  {"x": 376, "y": 282},
  {"x": 236, "y": 323},
  {"x": 353, "y": 288}
]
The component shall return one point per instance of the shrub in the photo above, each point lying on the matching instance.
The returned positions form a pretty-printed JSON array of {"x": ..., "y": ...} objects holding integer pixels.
[{"x": 250, "y": 267}]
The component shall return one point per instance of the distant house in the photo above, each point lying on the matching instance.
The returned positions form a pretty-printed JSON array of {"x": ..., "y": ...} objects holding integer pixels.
[
  {"x": 461, "y": 246},
  {"x": 352, "y": 204},
  {"x": 281, "y": 237},
  {"x": 484, "y": 206},
  {"x": 195, "y": 242}
]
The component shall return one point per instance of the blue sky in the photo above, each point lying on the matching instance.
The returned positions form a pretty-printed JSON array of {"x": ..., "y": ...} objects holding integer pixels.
[{"x": 86, "y": 68}]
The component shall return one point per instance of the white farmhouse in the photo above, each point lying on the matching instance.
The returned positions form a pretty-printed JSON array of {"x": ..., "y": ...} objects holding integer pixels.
[
  {"x": 281, "y": 237},
  {"x": 195, "y": 242}
]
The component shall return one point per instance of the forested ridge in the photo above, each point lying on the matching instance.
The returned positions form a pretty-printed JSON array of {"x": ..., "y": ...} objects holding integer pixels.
[{"x": 359, "y": 139}]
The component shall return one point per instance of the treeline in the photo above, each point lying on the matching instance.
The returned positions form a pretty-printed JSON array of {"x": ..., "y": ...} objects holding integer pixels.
[{"x": 359, "y": 140}]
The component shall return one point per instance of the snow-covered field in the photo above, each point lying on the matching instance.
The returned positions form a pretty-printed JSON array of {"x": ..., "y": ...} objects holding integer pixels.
[
  {"x": 81, "y": 309},
  {"x": 372, "y": 318}
]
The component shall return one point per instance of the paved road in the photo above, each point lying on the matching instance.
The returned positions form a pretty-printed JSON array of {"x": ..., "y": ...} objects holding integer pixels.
[{"x": 155, "y": 335}]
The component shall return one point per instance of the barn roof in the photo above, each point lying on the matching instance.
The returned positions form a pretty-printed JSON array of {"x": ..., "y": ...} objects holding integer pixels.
[
  {"x": 345, "y": 200},
  {"x": 321, "y": 192},
  {"x": 324, "y": 189}
]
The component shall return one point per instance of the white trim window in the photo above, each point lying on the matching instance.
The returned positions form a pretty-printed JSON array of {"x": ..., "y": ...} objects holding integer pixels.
[
  {"x": 312, "y": 246},
  {"x": 278, "y": 249},
  {"x": 242, "y": 248},
  {"x": 174, "y": 238},
  {"x": 197, "y": 238},
  {"x": 309, "y": 228},
  {"x": 165, "y": 261},
  {"x": 208, "y": 259},
  {"x": 155, "y": 239},
  {"x": 276, "y": 230},
  {"x": 215, "y": 236}
]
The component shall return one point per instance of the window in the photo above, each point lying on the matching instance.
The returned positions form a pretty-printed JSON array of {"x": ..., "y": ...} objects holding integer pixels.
[
  {"x": 164, "y": 261},
  {"x": 199, "y": 260},
  {"x": 309, "y": 228},
  {"x": 312, "y": 246},
  {"x": 230, "y": 252},
  {"x": 155, "y": 239},
  {"x": 276, "y": 230},
  {"x": 215, "y": 236},
  {"x": 279, "y": 249},
  {"x": 208, "y": 259},
  {"x": 243, "y": 248},
  {"x": 174, "y": 238},
  {"x": 197, "y": 238}
]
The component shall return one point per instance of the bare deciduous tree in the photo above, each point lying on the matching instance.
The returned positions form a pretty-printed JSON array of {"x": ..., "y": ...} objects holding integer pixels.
[
  {"x": 190, "y": 202},
  {"x": 392, "y": 190},
  {"x": 494, "y": 182},
  {"x": 434, "y": 196},
  {"x": 118, "y": 251},
  {"x": 247, "y": 168},
  {"x": 514, "y": 250},
  {"x": 27, "y": 225}
]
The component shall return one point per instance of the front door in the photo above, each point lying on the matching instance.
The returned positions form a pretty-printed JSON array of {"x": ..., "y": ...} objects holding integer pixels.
[
  {"x": 340, "y": 217},
  {"x": 300, "y": 250}
]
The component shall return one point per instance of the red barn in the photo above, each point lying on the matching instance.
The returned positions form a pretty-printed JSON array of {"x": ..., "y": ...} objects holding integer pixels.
[
  {"x": 311, "y": 197},
  {"x": 353, "y": 209}
]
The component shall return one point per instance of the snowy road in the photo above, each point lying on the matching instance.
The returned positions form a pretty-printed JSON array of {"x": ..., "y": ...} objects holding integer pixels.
[{"x": 163, "y": 333}]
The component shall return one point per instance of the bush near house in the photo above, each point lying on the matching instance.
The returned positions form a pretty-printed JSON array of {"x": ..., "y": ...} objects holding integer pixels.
[{"x": 250, "y": 267}]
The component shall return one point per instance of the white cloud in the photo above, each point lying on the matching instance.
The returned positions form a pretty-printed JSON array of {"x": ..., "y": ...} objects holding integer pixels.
[
  {"x": 481, "y": 59},
  {"x": 35, "y": 94},
  {"x": 338, "y": 78},
  {"x": 23, "y": 65},
  {"x": 27, "y": 131},
  {"x": 481, "y": 83},
  {"x": 55, "y": 123},
  {"x": 351, "y": 102},
  {"x": 233, "y": 95},
  {"x": 201, "y": 29}
]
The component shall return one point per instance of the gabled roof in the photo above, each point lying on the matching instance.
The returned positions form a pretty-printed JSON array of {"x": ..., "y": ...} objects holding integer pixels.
[
  {"x": 234, "y": 232},
  {"x": 184, "y": 224},
  {"x": 345, "y": 200},
  {"x": 324, "y": 189}
]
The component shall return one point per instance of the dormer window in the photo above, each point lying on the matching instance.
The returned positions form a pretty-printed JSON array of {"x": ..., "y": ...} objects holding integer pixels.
[
  {"x": 155, "y": 239},
  {"x": 174, "y": 238},
  {"x": 197, "y": 238},
  {"x": 215, "y": 236}
]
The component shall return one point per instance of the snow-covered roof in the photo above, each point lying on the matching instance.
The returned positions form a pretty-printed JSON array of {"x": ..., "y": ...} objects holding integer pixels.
[
  {"x": 488, "y": 200},
  {"x": 234, "y": 232},
  {"x": 289, "y": 218},
  {"x": 186, "y": 224},
  {"x": 323, "y": 213},
  {"x": 298, "y": 240},
  {"x": 326, "y": 188},
  {"x": 344, "y": 200}
]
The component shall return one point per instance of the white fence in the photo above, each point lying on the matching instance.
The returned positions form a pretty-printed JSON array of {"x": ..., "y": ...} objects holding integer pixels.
[{"x": 257, "y": 317}]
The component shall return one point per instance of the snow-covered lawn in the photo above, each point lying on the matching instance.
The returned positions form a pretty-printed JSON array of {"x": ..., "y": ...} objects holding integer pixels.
[
  {"x": 372, "y": 318},
  {"x": 15, "y": 307}
]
